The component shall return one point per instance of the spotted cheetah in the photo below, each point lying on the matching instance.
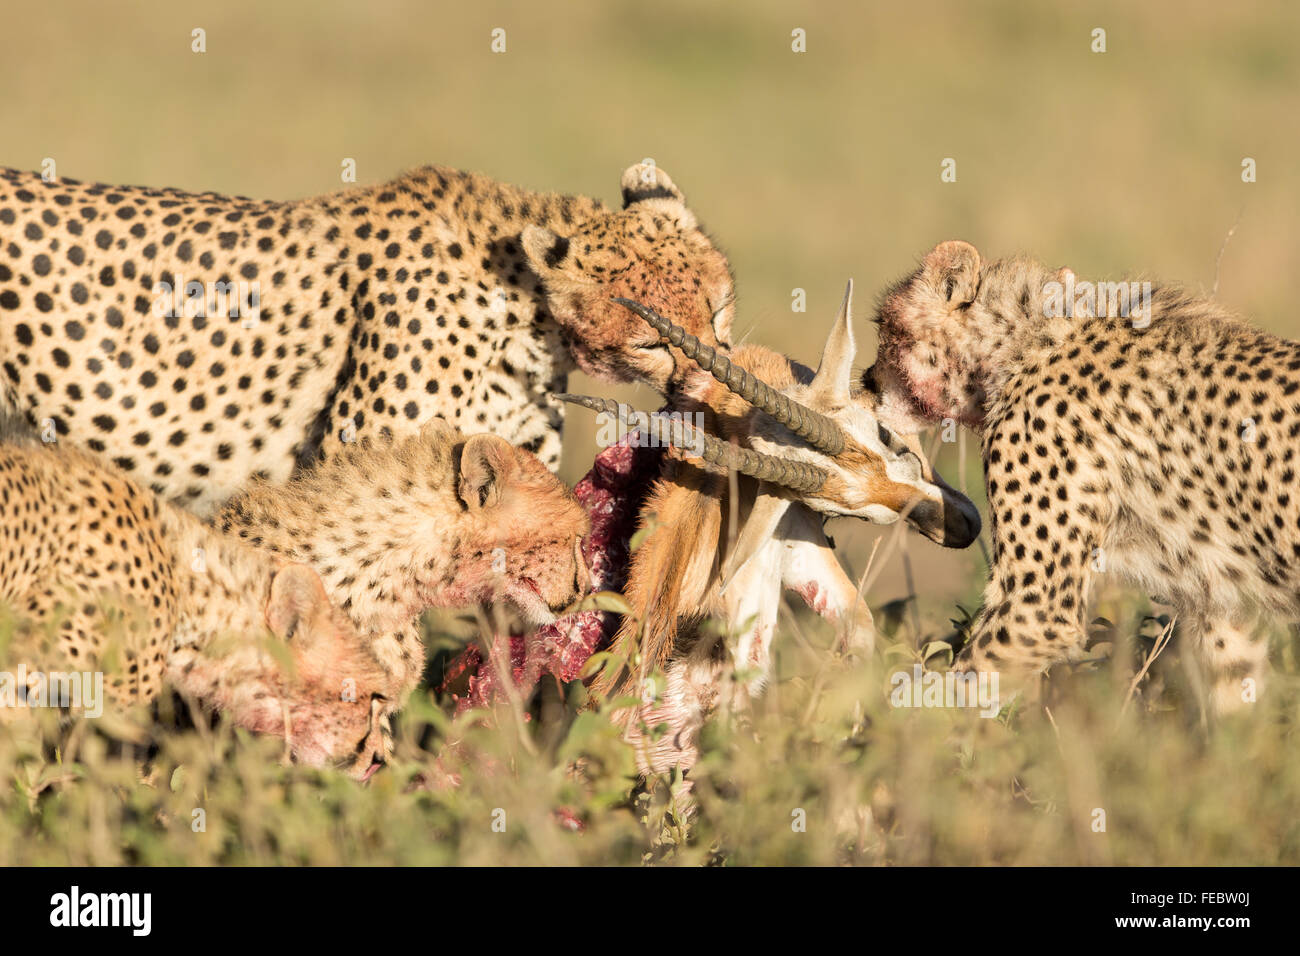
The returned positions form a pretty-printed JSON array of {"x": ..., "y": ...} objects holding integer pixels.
[
  {"x": 1128, "y": 428},
  {"x": 107, "y": 578},
  {"x": 196, "y": 340},
  {"x": 435, "y": 519}
]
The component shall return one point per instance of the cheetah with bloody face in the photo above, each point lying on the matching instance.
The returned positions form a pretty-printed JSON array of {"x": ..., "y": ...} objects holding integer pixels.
[
  {"x": 196, "y": 340},
  {"x": 394, "y": 526},
  {"x": 434, "y": 519},
  {"x": 104, "y": 577},
  {"x": 1141, "y": 430}
]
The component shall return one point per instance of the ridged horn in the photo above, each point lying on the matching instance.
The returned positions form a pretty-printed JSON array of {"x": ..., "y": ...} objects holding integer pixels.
[
  {"x": 814, "y": 427},
  {"x": 799, "y": 477}
]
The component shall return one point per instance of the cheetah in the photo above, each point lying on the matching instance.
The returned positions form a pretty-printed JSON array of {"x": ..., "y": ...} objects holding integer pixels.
[
  {"x": 803, "y": 449},
  {"x": 196, "y": 340},
  {"x": 396, "y": 526},
  {"x": 106, "y": 578},
  {"x": 1140, "y": 430}
]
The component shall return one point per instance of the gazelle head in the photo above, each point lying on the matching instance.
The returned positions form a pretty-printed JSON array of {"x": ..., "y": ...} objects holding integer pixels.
[{"x": 812, "y": 443}]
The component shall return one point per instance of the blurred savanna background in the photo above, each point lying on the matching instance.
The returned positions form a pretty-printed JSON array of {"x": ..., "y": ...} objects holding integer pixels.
[{"x": 808, "y": 168}]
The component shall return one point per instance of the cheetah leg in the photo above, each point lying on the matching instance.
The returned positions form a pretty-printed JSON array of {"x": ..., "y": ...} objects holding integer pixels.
[
  {"x": 1034, "y": 610},
  {"x": 1233, "y": 661}
]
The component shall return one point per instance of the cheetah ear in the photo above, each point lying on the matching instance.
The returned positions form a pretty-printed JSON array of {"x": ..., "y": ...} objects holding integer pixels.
[
  {"x": 297, "y": 599},
  {"x": 546, "y": 251},
  {"x": 436, "y": 430},
  {"x": 647, "y": 183},
  {"x": 486, "y": 464},
  {"x": 953, "y": 268}
]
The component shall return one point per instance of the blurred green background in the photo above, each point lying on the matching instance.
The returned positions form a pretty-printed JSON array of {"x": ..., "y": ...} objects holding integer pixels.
[{"x": 808, "y": 168}]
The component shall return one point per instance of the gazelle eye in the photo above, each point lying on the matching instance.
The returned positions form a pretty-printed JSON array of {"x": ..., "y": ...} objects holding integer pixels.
[{"x": 885, "y": 435}]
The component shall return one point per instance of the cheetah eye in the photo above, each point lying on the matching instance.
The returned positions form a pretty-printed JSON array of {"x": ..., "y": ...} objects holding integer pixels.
[
  {"x": 719, "y": 311},
  {"x": 580, "y": 577}
]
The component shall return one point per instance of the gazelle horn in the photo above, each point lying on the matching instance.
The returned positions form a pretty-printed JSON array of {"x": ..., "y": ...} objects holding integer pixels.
[
  {"x": 797, "y": 476},
  {"x": 818, "y": 430}
]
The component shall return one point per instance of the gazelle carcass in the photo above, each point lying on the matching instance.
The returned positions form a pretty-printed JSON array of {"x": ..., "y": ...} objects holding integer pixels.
[{"x": 802, "y": 449}]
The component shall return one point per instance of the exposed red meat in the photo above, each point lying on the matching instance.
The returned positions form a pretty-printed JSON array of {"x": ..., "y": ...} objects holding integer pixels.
[{"x": 612, "y": 492}]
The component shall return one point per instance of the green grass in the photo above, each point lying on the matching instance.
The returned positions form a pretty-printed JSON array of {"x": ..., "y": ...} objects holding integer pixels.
[{"x": 821, "y": 770}]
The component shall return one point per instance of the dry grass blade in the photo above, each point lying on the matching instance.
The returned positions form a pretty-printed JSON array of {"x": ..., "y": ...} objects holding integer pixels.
[
  {"x": 733, "y": 509},
  {"x": 908, "y": 576},
  {"x": 499, "y": 653},
  {"x": 1214, "y": 289},
  {"x": 1161, "y": 642}
]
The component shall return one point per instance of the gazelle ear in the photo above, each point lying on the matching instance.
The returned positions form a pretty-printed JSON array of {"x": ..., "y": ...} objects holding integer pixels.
[
  {"x": 830, "y": 386},
  {"x": 759, "y": 529}
]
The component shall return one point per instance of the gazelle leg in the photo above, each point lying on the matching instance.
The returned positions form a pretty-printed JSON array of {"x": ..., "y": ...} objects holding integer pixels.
[
  {"x": 665, "y": 729},
  {"x": 812, "y": 571}
]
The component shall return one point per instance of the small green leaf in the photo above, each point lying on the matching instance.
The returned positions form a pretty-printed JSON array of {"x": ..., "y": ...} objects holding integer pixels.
[
  {"x": 641, "y": 534},
  {"x": 604, "y": 601}
]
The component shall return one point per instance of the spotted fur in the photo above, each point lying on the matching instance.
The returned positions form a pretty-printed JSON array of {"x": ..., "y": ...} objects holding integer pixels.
[
  {"x": 103, "y": 576},
  {"x": 439, "y": 293},
  {"x": 434, "y": 519},
  {"x": 1161, "y": 445}
]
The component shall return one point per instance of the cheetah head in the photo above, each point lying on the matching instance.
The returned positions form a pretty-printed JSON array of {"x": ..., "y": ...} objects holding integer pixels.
[
  {"x": 651, "y": 250},
  {"x": 931, "y": 363},
  {"x": 527, "y": 527},
  {"x": 335, "y": 693}
]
